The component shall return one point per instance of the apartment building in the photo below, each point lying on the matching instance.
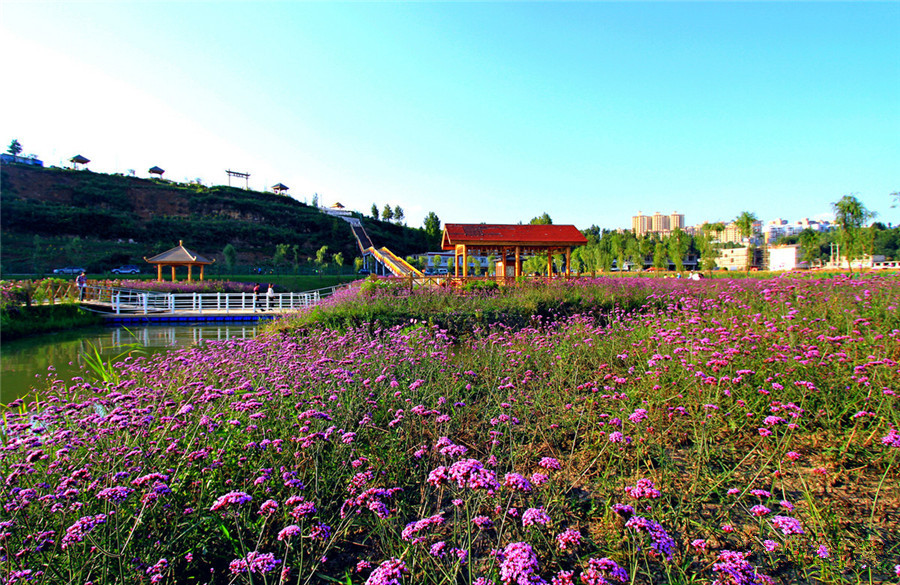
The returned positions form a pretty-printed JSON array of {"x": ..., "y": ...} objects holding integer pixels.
[{"x": 656, "y": 223}]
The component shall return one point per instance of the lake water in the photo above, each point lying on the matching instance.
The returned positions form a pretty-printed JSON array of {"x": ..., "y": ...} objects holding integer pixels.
[{"x": 25, "y": 364}]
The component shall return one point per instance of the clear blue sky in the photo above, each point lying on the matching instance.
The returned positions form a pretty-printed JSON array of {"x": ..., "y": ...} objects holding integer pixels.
[{"x": 490, "y": 112}]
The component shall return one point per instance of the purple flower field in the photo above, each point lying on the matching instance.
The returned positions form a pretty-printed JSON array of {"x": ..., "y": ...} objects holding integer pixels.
[{"x": 714, "y": 432}]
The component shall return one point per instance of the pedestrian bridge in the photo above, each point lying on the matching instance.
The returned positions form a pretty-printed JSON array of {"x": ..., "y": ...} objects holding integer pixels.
[{"x": 124, "y": 304}]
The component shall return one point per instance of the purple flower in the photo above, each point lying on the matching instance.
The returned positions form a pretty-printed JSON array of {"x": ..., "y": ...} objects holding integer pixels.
[
  {"x": 533, "y": 516},
  {"x": 387, "y": 573},
  {"x": 268, "y": 507},
  {"x": 410, "y": 533},
  {"x": 892, "y": 439},
  {"x": 643, "y": 489},
  {"x": 254, "y": 562},
  {"x": 520, "y": 565},
  {"x": 822, "y": 552},
  {"x": 660, "y": 541},
  {"x": 289, "y": 531},
  {"x": 600, "y": 571},
  {"x": 115, "y": 494},
  {"x": 733, "y": 569},
  {"x": 787, "y": 525},
  {"x": 517, "y": 482},
  {"x": 230, "y": 499},
  {"x": 549, "y": 463},
  {"x": 568, "y": 539},
  {"x": 759, "y": 510},
  {"x": 770, "y": 545}
]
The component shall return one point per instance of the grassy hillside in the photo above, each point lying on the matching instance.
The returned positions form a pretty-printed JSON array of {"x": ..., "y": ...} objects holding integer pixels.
[{"x": 52, "y": 217}]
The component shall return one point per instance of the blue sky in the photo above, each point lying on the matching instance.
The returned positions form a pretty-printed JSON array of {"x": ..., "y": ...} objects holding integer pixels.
[{"x": 490, "y": 112}]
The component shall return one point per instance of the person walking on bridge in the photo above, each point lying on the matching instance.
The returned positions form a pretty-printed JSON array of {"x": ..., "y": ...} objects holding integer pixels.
[{"x": 81, "y": 283}]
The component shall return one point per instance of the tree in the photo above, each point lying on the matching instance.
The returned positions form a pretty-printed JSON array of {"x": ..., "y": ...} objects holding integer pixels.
[
  {"x": 15, "y": 148},
  {"x": 679, "y": 242},
  {"x": 315, "y": 201},
  {"x": 433, "y": 228},
  {"x": 851, "y": 215},
  {"x": 398, "y": 213},
  {"x": 745, "y": 222},
  {"x": 322, "y": 256},
  {"x": 541, "y": 220},
  {"x": 387, "y": 214},
  {"x": 374, "y": 211},
  {"x": 280, "y": 257},
  {"x": 230, "y": 256},
  {"x": 338, "y": 259},
  {"x": 809, "y": 245},
  {"x": 708, "y": 252},
  {"x": 660, "y": 260}
]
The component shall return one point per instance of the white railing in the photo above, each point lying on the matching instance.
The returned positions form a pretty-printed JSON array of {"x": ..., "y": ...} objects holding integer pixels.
[{"x": 131, "y": 301}]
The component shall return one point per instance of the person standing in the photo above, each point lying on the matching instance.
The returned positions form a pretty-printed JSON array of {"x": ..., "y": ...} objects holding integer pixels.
[
  {"x": 270, "y": 296},
  {"x": 255, "y": 296},
  {"x": 81, "y": 283}
]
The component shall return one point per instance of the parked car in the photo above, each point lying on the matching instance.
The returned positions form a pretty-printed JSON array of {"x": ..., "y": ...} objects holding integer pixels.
[
  {"x": 69, "y": 270},
  {"x": 362, "y": 272},
  {"x": 127, "y": 269}
]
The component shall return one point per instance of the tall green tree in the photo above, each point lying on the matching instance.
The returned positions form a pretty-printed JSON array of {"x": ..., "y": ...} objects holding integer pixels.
[
  {"x": 809, "y": 245},
  {"x": 433, "y": 228},
  {"x": 338, "y": 259},
  {"x": 660, "y": 260},
  {"x": 15, "y": 148},
  {"x": 745, "y": 222},
  {"x": 322, "y": 256},
  {"x": 230, "y": 256},
  {"x": 543, "y": 219},
  {"x": 851, "y": 216},
  {"x": 398, "y": 213},
  {"x": 374, "y": 211},
  {"x": 678, "y": 245},
  {"x": 387, "y": 214}
]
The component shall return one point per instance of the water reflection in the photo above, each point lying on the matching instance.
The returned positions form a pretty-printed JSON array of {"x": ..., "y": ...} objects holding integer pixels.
[{"x": 25, "y": 364}]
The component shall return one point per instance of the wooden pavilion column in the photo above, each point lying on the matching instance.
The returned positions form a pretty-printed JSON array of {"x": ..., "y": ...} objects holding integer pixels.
[
  {"x": 568, "y": 261},
  {"x": 549, "y": 262},
  {"x": 190, "y": 266},
  {"x": 518, "y": 271},
  {"x": 159, "y": 273},
  {"x": 465, "y": 259},
  {"x": 202, "y": 267},
  {"x": 173, "y": 272}
]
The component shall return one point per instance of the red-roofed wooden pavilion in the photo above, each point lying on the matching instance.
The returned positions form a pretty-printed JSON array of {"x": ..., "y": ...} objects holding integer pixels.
[{"x": 510, "y": 243}]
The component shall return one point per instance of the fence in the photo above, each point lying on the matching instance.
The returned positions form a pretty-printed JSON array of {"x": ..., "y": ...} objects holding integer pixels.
[{"x": 134, "y": 301}]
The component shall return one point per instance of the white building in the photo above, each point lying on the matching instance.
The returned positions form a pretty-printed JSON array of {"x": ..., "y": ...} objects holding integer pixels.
[{"x": 784, "y": 257}]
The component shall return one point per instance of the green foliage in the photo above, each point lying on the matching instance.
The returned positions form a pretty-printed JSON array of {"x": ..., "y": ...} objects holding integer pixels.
[
  {"x": 851, "y": 215},
  {"x": 543, "y": 219},
  {"x": 15, "y": 148},
  {"x": 482, "y": 286},
  {"x": 230, "y": 256},
  {"x": 17, "y": 322}
]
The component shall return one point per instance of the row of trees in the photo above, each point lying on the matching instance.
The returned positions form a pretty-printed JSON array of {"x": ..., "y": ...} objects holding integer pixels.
[{"x": 388, "y": 213}]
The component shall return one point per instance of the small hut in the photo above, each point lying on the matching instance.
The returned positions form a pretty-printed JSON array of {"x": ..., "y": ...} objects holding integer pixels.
[
  {"x": 156, "y": 171},
  {"x": 179, "y": 256},
  {"x": 79, "y": 160},
  {"x": 279, "y": 188}
]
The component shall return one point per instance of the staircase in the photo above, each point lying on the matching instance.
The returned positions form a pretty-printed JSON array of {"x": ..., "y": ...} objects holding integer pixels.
[{"x": 390, "y": 261}]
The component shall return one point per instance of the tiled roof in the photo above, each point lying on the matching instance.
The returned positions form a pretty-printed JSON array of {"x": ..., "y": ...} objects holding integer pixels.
[
  {"x": 179, "y": 255},
  {"x": 515, "y": 235}
]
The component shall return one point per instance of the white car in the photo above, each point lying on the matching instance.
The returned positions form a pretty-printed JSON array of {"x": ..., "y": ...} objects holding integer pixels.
[
  {"x": 127, "y": 269},
  {"x": 69, "y": 270}
]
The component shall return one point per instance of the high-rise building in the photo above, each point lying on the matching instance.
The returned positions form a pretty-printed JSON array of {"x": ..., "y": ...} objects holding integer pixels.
[
  {"x": 660, "y": 223},
  {"x": 641, "y": 224},
  {"x": 676, "y": 220}
]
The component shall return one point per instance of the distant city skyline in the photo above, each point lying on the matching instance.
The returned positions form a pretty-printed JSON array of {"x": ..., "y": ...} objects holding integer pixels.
[{"x": 479, "y": 112}]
